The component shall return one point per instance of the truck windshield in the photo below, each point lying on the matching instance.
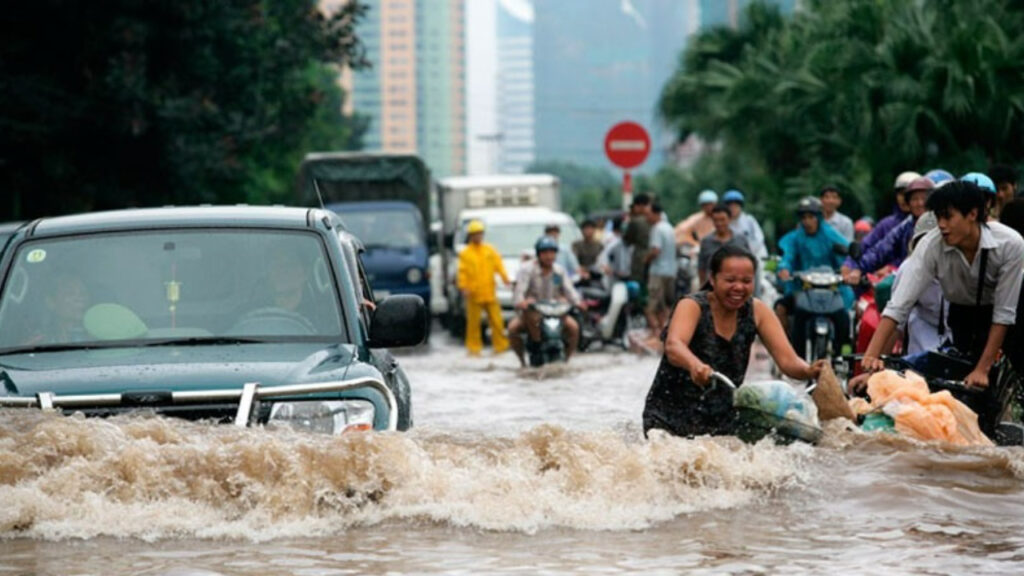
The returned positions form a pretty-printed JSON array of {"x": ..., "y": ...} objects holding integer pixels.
[
  {"x": 385, "y": 228},
  {"x": 146, "y": 286},
  {"x": 512, "y": 239}
]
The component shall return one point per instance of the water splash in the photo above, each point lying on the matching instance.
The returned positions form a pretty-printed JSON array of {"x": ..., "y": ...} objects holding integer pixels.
[{"x": 153, "y": 478}]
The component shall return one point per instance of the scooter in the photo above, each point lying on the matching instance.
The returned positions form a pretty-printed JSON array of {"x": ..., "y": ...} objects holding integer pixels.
[
  {"x": 610, "y": 313},
  {"x": 814, "y": 332},
  {"x": 551, "y": 347},
  {"x": 685, "y": 272}
]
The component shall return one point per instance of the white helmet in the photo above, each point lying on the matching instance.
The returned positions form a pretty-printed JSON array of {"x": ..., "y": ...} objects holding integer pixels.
[{"x": 904, "y": 180}]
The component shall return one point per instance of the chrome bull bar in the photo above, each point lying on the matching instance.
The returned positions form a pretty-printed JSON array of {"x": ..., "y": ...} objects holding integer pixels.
[{"x": 247, "y": 397}]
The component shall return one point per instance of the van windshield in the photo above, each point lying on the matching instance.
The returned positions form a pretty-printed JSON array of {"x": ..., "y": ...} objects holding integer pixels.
[
  {"x": 146, "y": 286},
  {"x": 385, "y": 228},
  {"x": 512, "y": 239}
]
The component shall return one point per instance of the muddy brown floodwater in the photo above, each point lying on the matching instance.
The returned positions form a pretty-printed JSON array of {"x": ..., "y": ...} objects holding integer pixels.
[{"x": 507, "y": 471}]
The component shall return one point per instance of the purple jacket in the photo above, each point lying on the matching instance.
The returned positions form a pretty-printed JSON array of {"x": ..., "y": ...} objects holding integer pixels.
[
  {"x": 881, "y": 230},
  {"x": 890, "y": 250}
]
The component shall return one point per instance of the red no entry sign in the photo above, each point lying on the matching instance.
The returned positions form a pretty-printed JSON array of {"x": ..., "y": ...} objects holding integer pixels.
[{"x": 627, "y": 145}]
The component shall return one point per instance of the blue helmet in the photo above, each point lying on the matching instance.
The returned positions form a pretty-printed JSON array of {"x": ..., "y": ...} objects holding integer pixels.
[
  {"x": 939, "y": 176},
  {"x": 981, "y": 180},
  {"x": 545, "y": 243},
  {"x": 733, "y": 196},
  {"x": 707, "y": 197}
]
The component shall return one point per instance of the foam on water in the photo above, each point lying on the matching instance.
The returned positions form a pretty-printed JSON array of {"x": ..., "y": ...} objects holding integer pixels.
[{"x": 152, "y": 478}]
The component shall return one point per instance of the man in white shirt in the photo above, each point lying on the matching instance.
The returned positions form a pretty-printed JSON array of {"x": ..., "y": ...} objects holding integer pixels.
[
  {"x": 830, "y": 203},
  {"x": 661, "y": 274},
  {"x": 979, "y": 266}
]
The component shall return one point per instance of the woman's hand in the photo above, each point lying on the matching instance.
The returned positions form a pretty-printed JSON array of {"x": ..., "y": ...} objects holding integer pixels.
[
  {"x": 701, "y": 374},
  {"x": 814, "y": 370}
]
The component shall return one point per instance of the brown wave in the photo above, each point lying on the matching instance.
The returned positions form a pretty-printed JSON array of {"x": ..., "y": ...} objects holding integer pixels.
[{"x": 151, "y": 477}]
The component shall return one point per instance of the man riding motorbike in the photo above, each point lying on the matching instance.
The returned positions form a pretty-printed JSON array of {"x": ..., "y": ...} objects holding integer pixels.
[
  {"x": 542, "y": 279},
  {"x": 812, "y": 244}
]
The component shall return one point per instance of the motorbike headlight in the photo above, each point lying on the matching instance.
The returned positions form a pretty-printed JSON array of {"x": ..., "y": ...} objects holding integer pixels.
[
  {"x": 323, "y": 416},
  {"x": 414, "y": 275}
]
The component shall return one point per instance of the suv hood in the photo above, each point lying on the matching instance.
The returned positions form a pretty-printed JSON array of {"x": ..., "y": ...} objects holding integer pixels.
[{"x": 177, "y": 368}]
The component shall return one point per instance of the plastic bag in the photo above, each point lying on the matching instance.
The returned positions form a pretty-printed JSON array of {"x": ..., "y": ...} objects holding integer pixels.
[{"x": 918, "y": 413}]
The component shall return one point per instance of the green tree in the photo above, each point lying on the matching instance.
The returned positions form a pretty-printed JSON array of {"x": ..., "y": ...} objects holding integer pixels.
[
  {"x": 853, "y": 92},
  {"x": 126, "y": 103}
]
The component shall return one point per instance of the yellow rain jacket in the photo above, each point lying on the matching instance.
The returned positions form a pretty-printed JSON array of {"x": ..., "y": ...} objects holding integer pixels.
[{"x": 478, "y": 263}]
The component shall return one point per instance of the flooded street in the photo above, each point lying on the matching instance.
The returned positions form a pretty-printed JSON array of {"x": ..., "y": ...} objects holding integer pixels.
[{"x": 506, "y": 471}]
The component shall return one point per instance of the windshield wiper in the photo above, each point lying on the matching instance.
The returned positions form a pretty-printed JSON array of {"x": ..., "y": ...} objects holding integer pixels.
[
  {"x": 58, "y": 347},
  {"x": 206, "y": 341}
]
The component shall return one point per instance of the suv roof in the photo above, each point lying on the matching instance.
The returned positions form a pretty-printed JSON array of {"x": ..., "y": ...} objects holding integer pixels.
[{"x": 228, "y": 216}]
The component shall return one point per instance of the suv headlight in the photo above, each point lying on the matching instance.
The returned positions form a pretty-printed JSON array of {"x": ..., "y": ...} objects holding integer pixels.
[
  {"x": 324, "y": 416},
  {"x": 414, "y": 275}
]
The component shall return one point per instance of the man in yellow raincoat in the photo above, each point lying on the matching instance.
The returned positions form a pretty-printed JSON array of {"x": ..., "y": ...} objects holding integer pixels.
[{"x": 478, "y": 263}]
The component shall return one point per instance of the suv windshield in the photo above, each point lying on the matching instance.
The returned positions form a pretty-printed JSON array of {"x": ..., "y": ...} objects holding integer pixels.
[
  {"x": 154, "y": 286},
  {"x": 384, "y": 228}
]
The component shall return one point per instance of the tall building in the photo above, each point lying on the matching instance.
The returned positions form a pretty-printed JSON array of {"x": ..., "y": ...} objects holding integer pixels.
[
  {"x": 515, "y": 108},
  {"x": 414, "y": 94},
  {"x": 599, "y": 62}
]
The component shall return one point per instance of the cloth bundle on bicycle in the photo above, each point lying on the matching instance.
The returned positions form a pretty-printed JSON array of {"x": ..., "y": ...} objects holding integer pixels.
[{"x": 918, "y": 413}]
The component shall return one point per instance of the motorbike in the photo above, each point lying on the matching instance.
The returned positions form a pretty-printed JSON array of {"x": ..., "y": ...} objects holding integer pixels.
[
  {"x": 551, "y": 347},
  {"x": 814, "y": 332},
  {"x": 611, "y": 313}
]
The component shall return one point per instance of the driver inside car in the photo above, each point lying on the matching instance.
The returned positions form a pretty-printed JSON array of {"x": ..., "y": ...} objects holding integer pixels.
[
  {"x": 288, "y": 303},
  {"x": 538, "y": 280}
]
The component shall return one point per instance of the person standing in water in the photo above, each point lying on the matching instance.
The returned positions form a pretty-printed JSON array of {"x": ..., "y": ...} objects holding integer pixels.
[{"x": 712, "y": 331}]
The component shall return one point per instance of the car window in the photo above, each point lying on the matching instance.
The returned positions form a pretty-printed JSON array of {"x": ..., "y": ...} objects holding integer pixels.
[
  {"x": 137, "y": 286},
  {"x": 385, "y": 228}
]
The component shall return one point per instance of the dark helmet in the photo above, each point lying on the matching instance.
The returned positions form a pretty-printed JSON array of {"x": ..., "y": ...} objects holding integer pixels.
[
  {"x": 545, "y": 243},
  {"x": 808, "y": 205}
]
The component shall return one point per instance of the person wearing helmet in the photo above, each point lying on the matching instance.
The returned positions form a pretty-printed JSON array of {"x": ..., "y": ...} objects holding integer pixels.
[
  {"x": 697, "y": 225},
  {"x": 830, "y": 203},
  {"x": 479, "y": 262},
  {"x": 744, "y": 225},
  {"x": 899, "y": 213},
  {"x": 861, "y": 228},
  {"x": 939, "y": 177},
  {"x": 891, "y": 250},
  {"x": 979, "y": 266},
  {"x": 812, "y": 244},
  {"x": 985, "y": 183},
  {"x": 542, "y": 279}
]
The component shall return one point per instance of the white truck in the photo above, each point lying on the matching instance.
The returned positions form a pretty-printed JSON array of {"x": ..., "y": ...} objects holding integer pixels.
[{"x": 515, "y": 209}]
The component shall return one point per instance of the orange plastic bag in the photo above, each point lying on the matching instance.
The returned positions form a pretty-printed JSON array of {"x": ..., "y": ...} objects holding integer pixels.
[{"x": 920, "y": 414}]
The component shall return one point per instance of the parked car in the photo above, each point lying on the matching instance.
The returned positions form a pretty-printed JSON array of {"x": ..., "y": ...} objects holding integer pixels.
[
  {"x": 232, "y": 314},
  {"x": 7, "y": 229}
]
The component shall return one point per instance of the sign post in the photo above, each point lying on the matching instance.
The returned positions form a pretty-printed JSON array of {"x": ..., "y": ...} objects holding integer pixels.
[{"x": 627, "y": 145}]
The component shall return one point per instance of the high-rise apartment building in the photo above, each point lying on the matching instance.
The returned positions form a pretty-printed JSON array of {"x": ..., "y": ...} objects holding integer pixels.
[
  {"x": 414, "y": 94},
  {"x": 599, "y": 62},
  {"x": 515, "y": 110}
]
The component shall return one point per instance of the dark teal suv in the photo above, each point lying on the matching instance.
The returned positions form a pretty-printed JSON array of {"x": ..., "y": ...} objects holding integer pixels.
[{"x": 229, "y": 314}]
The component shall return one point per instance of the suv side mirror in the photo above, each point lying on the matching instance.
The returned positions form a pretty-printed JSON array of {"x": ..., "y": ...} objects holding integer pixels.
[{"x": 399, "y": 320}]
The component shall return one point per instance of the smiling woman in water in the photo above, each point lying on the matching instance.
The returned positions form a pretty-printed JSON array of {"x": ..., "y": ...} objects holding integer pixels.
[{"x": 712, "y": 331}]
